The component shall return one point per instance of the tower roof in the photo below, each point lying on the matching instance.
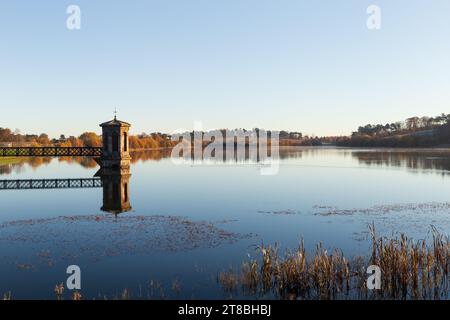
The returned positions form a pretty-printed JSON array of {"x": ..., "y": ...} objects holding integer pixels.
[{"x": 115, "y": 123}]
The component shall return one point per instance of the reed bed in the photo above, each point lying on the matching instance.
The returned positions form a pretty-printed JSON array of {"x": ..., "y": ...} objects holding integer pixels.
[
  {"x": 409, "y": 270},
  {"x": 7, "y": 296}
]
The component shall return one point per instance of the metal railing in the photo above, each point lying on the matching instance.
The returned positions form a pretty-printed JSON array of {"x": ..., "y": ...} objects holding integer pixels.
[
  {"x": 50, "y": 151},
  {"x": 50, "y": 184}
]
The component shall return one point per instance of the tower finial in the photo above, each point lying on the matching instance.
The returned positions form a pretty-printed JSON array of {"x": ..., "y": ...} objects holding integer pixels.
[{"x": 115, "y": 113}]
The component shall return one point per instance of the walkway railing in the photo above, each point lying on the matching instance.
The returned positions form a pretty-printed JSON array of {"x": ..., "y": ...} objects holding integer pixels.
[
  {"x": 50, "y": 151},
  {"x": 50, "y": 184}
]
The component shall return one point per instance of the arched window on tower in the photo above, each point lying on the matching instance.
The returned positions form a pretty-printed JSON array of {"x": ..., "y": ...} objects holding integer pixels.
[
  {"x": 115, "y": 142},
  {"x": 105, "y": 142},
  {"x": 125, "y": 142}
]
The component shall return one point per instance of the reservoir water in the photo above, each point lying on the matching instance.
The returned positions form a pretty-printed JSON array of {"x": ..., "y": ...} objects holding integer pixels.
[{"x": 186, "y": 223}]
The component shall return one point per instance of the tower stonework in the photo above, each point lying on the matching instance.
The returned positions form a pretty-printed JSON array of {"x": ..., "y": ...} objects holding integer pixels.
[{"x": 116, "y": 147}]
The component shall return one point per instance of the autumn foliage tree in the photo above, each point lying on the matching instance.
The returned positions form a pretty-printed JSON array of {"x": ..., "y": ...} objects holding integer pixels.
[
  {"x": 87, "y": 139},
  {"x": 90, "y": 139}
]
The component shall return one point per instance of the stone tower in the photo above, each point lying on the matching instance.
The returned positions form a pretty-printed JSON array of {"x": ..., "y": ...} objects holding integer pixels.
[{"x": 116, "y": 147}]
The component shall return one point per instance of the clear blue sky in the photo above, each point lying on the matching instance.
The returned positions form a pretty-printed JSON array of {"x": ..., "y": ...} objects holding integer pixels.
[{"x": 304, "y": 65}]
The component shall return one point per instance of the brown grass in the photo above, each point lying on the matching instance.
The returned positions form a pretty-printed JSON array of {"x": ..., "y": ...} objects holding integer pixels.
[
  {"x": 7, "y": 296},
  {"x": 410, "y": 270}
]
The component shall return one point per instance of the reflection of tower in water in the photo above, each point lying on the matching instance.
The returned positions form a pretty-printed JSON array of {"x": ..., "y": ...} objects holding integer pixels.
[{"x": 116, "y": 190}]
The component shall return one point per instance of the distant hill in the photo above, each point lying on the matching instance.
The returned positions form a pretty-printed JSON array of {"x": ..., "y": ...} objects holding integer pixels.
[{"x": 413, "y": 132}]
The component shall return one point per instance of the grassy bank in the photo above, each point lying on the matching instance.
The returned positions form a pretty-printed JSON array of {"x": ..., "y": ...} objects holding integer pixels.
[{"x": 10, "y": 160}]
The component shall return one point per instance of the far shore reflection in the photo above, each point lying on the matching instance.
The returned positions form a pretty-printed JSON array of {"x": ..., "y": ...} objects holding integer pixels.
[
  {"x": 433, "y": 160},
  {"x": 416, "y": 159}
]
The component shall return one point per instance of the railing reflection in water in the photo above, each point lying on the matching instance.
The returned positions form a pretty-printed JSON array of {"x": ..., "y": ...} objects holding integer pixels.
[{"x": 115, "y": 184}]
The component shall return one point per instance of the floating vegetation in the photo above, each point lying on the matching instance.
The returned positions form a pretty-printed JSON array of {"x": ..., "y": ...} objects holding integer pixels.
[
  {"x": 98, "y": 236},
  {"x": 421, "y": 208},
  {"x": 280, "y": 212},
  {"x": 24, "y": 266},
  {"x": 410, "y": 270}
]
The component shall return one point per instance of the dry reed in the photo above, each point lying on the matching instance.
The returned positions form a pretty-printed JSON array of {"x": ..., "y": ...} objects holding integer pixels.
[{"x": 410, "y": 270}]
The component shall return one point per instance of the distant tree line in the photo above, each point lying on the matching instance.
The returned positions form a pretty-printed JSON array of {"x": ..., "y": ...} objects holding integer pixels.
[
  {"x": 413, "y": 132},
  {"x": 151, "y": 141},
  {"x": 87, "y": 139},
  {"x": 286, "y": 138},
  {"x": 141, "y": 141}
]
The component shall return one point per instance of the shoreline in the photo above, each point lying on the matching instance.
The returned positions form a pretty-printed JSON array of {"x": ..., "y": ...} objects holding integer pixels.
[{"x": 444, "y": 148}]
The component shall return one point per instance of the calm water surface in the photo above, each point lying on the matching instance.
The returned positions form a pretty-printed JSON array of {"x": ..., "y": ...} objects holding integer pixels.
[{"x": 189, "y": 222}]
